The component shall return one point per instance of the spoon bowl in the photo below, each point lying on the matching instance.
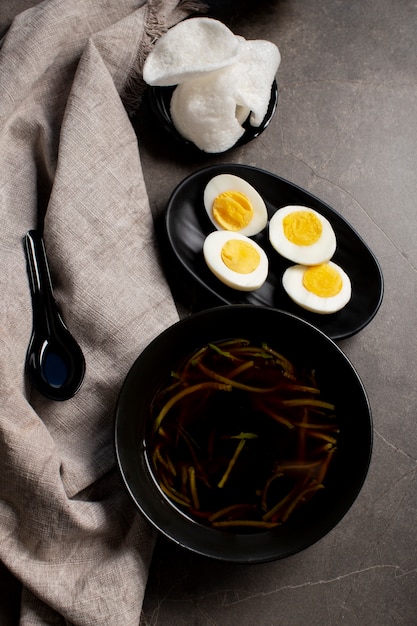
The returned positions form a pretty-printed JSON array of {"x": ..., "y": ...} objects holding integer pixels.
[{"x": 55, "y": 363}]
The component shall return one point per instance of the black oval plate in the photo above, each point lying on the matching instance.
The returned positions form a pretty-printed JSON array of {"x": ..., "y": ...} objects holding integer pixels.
[{"x": 187, "y": 225}]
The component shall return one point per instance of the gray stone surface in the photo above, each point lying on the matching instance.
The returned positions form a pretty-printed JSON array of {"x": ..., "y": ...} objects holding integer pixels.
[{"x": 345, "y": 130}]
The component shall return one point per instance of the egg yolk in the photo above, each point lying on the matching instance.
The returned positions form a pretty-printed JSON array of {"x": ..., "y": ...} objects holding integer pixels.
[
  {"x": 303, "y": 228},
  {"x": 240, "y": 256},
  {"x": 322, "y": 280},
  {"x": 232, "y": 210}
]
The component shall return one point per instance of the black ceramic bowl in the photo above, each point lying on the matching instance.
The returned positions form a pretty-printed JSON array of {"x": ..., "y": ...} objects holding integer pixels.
[
  {"x": 306, "y": 346},
  {"x": 159, "y": 99}
]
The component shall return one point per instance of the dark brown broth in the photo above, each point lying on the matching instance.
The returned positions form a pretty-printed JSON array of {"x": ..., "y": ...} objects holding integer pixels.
[{"x": 240, "y": 438}]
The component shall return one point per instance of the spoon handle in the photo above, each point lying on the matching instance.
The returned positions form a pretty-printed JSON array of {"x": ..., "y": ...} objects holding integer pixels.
[{"x": 44, "y": 306}]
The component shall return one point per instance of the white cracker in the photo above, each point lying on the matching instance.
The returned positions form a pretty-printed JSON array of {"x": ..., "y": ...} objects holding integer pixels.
[
  {"x": 209, "y": 110},
  {"x": 206, "y": 115},
  {"x": 252, "y": 76},
  {"x": 190, "y": 49}
]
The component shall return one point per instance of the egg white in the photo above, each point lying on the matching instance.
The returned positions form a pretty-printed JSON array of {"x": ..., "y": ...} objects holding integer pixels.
[
  {"x": 318, "y": 252},
  {"x": 292, "y": 281},
  {"x": 229, "y": 182},
  {"x": 243, "y": 282}
]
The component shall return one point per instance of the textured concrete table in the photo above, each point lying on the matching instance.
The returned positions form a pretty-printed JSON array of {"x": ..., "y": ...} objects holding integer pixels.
[{"x": 345, "y": 130}]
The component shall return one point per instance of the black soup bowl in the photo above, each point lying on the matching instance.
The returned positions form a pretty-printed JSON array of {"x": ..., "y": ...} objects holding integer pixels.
[{"x": 251, "y": 471}]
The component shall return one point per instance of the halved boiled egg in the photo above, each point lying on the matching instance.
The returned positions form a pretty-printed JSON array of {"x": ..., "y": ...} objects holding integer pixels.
[
  {"x": 232, "y": 204},
  {"x": 236, "y": 260},
  {"x": 323, "y": 288},
  {"x": 302, "y": 235}
]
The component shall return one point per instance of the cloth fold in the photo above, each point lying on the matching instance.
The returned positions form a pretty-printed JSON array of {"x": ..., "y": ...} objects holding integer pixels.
[{"x": 70, "y": 163}]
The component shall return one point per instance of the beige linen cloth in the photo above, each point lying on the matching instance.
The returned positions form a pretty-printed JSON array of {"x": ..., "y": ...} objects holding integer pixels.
[{"x": 68, "y": 530}]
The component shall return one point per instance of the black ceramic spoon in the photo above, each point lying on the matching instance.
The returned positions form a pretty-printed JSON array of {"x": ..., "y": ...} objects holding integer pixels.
[{"x": 54, "y": 362}]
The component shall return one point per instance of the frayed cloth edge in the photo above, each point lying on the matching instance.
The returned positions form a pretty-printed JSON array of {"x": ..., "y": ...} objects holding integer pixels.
[{"x": 155, "y": 25}]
